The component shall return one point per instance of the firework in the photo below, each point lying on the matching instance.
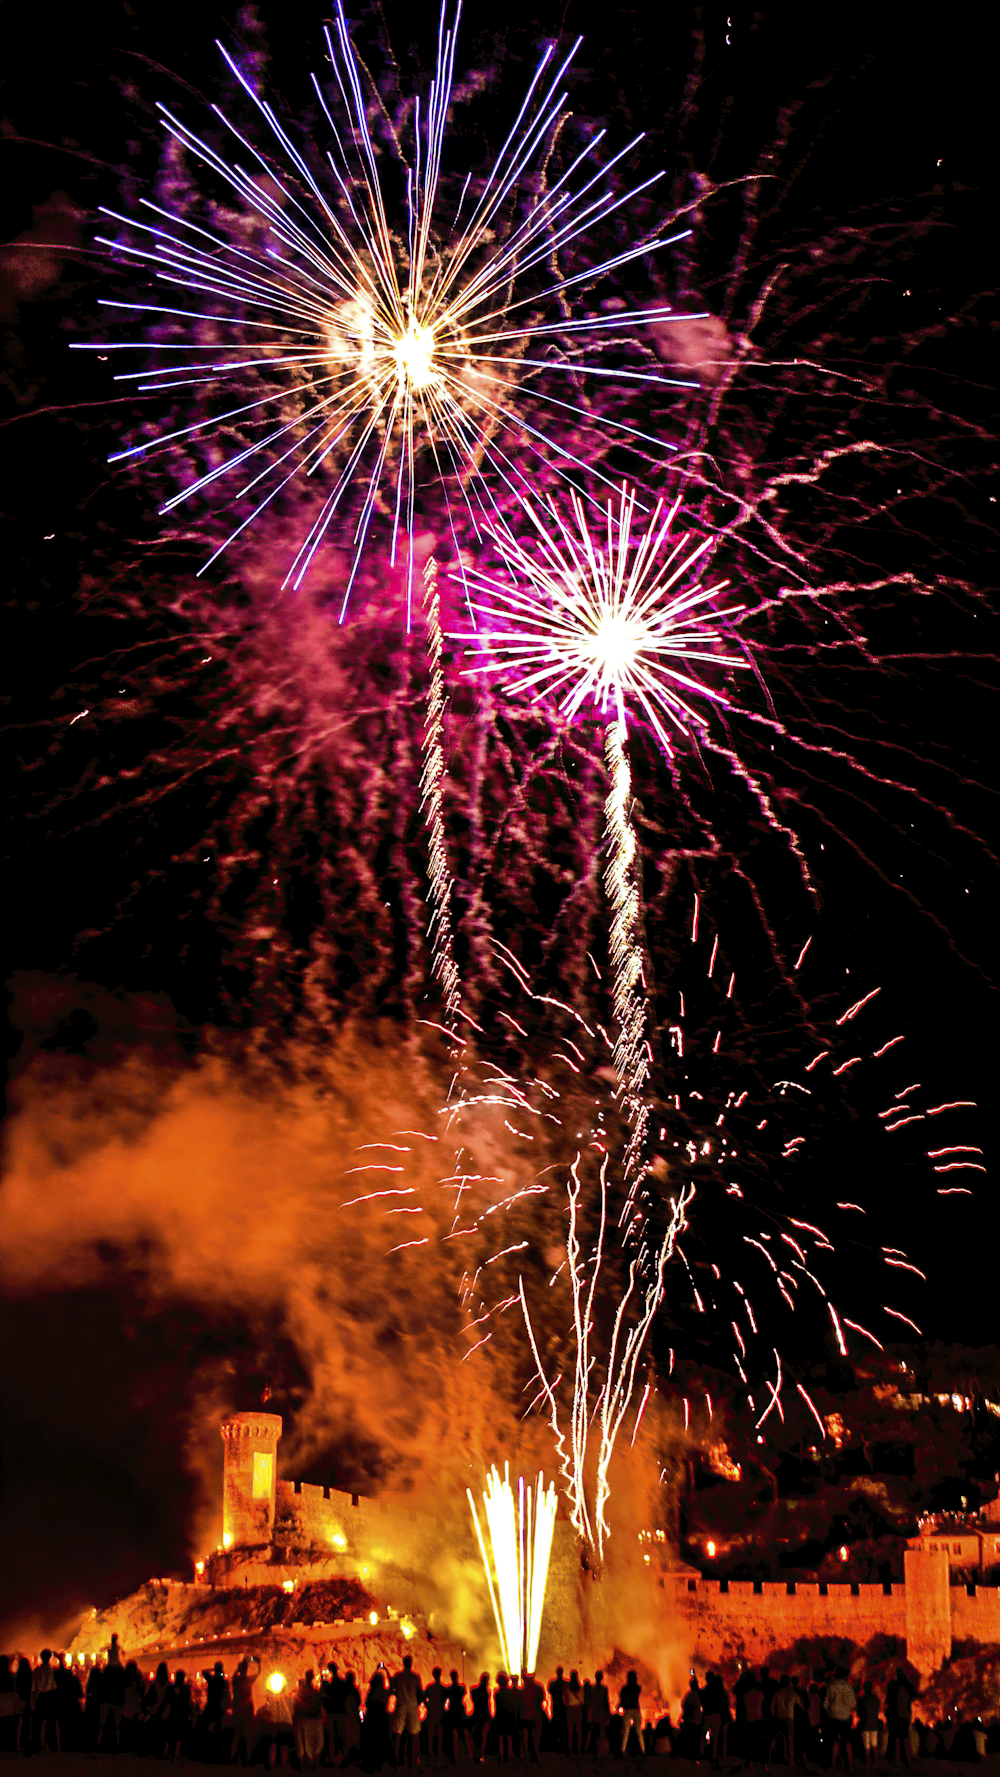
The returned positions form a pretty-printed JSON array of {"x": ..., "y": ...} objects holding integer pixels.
[
  {"x": 615, "y": 623},
  {"x": 520, "y": 1545},
  {"x": 598, "y": 1421},
  {"x": 439, "y": 874},
  {"x": 378, "y": 338}
]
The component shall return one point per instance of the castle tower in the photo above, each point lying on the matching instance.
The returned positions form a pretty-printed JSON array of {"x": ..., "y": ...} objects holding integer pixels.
[
  {"x": 249, "y": 1475},
  {"x": 928, "y": 1608}
]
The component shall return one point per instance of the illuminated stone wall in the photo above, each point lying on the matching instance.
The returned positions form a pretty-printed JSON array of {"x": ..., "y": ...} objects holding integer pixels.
[
  {"x": 429, "y": 1565},
  {"x": 748, "y": 1624}
]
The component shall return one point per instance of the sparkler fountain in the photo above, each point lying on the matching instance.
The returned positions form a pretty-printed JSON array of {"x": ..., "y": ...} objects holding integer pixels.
[{"x": 517, "y": 1563}]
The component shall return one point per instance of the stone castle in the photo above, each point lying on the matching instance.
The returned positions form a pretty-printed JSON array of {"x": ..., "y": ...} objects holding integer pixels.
[{"x": 277, "y": 1531}]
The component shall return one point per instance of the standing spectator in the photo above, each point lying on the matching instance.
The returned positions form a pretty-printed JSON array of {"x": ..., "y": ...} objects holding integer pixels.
[
  {"x": 307, "y": 1718},
  {"x": 557, "y": 1711},
  {"x": 482, "y": 1718},
  {"x": 573, "y": 1705},
  {"x": 839, "y": 1702},
  {"x": 508, "y": 1717},
  {"x": 334, "y": 1715},
  {"x": 375, "y": 1748},
  {"x": 869, "y": 1716},
  {"x": 112, "y": 1703},
  {"x": 69, "y": 1701},
  {"x": 456, "y": 1720},
  {"x": 276, "y": 1720},
  {"x": 786, "y": 1706},
  {"x": 715, "y": 1703},
  {"x": 532, "y": 1717},
  {"x": 244, "y": 1734},
  {"x": 9, "y": 1701},
  {"x": 628, "y": 1698},
  {"x": 408, "y": 1691},
  {"x": 114, "y": 1652},
  {"x": 692, "y": 1721},
  {"x": 217, "y": 1700},
  {"x": 814, "y": 1723},
  {"x": 744, "y": 1683},
  {"x": 598, "y": 1716},
  {"x": 435, "y": 1697},
  {"x": 898, "y": 1715},
  {"x": 43, "y": 1702},
  {"x": 755, "y": 1732},
  {"x": 132, "y": 1708},
  {"x": 178, "y": 1714},
  {"x": 663, "y": 1736},
  {"x": 352, "y": 1714}
]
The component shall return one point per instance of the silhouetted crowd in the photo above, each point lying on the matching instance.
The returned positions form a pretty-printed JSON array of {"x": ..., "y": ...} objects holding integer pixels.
[{"x": 50, "y": 1705}]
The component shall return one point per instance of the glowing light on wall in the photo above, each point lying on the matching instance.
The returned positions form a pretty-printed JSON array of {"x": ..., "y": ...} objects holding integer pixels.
[{"x": 520, "y": 1544}]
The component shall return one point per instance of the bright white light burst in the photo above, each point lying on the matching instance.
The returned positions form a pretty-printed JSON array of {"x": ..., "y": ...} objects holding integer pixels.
[
  {"x": 520, "y": 1544},
  {"x": 612, "y": 620}
]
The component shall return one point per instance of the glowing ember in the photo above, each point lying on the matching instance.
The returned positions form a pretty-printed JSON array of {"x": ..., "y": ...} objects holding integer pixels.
[
  {"x": 521, "y": 1542},
  {"x": 276, "y": 1682}
]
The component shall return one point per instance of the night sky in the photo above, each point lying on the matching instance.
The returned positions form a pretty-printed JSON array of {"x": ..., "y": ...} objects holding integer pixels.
[{"x": 130, "y": 952}]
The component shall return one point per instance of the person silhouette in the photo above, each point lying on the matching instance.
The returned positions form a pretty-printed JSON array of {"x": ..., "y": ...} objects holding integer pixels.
[
  {"x": 375, "y": 1748},
  {"x": 456, "y": 1719},
  {"x": 628, "y": 1698},
  {"x": 408, "y": 1691}
]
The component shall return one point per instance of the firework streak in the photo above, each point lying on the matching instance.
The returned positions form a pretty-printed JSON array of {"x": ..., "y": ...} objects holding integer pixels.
[
  {"x": 520, "y": 1544},
  {"x": 602, "y": 1416},
  {"x": 632, "y": 1053},
  {"x": 443, "y": 965}
]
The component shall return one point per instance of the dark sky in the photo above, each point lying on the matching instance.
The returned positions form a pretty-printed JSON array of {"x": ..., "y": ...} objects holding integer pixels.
[{"x": 110, "y": 944}]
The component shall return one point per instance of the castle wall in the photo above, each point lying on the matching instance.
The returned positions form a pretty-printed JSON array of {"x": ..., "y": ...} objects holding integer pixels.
[
  {"x": 975, "y": 1617},
  {"x": 429, "y": 1565},
  {"x": 742, "y": 1622}
]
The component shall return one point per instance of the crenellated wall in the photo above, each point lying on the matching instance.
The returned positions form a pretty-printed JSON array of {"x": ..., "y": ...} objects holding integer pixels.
[
  {"x": 744, "y": 1622},
  {"x": 425, "y": 1563}
]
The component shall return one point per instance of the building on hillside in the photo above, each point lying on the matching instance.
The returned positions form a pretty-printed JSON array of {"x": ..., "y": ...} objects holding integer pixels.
[{"x": 971, "y": 1543}]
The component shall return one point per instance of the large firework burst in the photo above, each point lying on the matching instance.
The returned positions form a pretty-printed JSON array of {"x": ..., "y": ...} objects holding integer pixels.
[
  {"x": 381, "y": 339},
  {"x": 614, "y": 622}
]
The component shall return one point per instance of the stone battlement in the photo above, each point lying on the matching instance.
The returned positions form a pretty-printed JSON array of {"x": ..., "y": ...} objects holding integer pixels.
[{"x": 417, "y": 1561}]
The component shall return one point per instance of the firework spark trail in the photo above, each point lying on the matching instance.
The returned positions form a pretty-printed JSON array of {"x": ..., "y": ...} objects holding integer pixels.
[
  {"x": 520, "y": 1544},
  {"x": 629, "y": 997},
  {"x": 585, "y": 1460},
  {"x": 443, "y": 964},
  {"x": 390, "y": 342}
]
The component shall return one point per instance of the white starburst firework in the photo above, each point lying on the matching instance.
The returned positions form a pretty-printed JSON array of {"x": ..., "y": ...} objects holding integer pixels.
[
  {"x": 379, "y": 340},
  {"x": 616, "y": 623}
]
